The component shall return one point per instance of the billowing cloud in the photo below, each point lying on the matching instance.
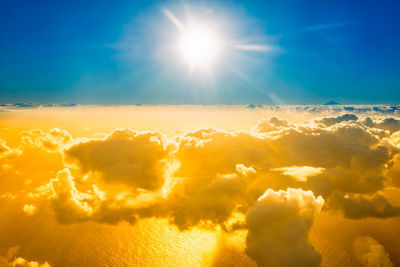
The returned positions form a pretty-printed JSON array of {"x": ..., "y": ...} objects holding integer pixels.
[
  {"x": 390, "y": 124},
  {"x": 278, "y": 226},
  {"x": 71, "y": 205},
  {"x": 272, "y": 124},
  {"x": 333, "y": 120},
  {"x": 208, "y": 199},
  {"x": 6, "y": 152},
  {"x": 370, "y": 253},
  {"x": 210, "y": 152},
  {"x": 384, "y": 123},
  {"x": 359, "y": 206},
  {"x": 11, "y": 260},
  {"x": 227, "y": 180},
  {"x": 125, "y": 157},
  {"x": 219, "y": 173},
  {"x": 53, "y": 140}
]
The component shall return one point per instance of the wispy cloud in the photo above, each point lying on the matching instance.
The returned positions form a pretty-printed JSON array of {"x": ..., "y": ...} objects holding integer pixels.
[
  {"x": 253, "y": 47},
  {"x": 325, "y": 26}
]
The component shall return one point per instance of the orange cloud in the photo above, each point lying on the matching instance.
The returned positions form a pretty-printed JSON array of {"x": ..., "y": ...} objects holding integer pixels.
[
  {"x": 278, "y": 227},
  {"x": 125, "y": 157},
  {"x": 11, "y": 260},
  {"x": 215, "y": 179}
]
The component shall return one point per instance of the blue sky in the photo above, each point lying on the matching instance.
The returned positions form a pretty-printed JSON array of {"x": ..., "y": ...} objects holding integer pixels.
[{"x": 118, "y": 52}]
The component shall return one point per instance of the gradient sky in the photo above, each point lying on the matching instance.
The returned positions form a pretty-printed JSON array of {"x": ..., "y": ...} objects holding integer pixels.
[{"x": 117, "y": 52}]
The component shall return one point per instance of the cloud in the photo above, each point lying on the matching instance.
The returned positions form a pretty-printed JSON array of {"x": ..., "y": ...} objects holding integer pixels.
[
  {"x": 333, "y": 120},
  {"x": 326, "y": 26},
  {"x": 6, "y": 152},
  {"x": 272, "y": 124},
  {"x": 390, "y": 124},
  {"x": 55, "y": 140},
  {"x": 71, "y": 205},
  {"x": 393, "y": 174},
  {"x": 219, "y": 173},
  {"x": 370, "y": 253},
  {"x": 11, "y": 260},
  {"x": 253, "y": 47},
  {"x": 29, "y": 209},
  {"x": 278, "y": 226},
  {"x": 359, "y": 206},
  {"x": 300, "y": 173},
  {"x": 385, "y": 123},
  {"x": 355, "y": 159},
  {"x": 204, "y": 201},
  {"x": 240, "y": 168},
  {"x": 125, "y": 157},
  {"x": 345, "y": 158},
  {"x": 219, "y": 179}
]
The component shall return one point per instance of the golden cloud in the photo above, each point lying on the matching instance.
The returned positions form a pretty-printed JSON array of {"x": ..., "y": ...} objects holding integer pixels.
[
  {"x": 370, "y": 253},
  {"x": 11, "y": 260},
  {"x": 214, "y": 179},
  {"x": 125, "y": 157},
  {"x": 280, "y": 221}
]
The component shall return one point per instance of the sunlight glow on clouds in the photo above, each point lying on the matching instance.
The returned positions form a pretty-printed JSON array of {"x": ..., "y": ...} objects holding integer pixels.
[
  {"x": 11, "y": 260},
  {"x": 300, "y": 173},
  {"x": 268, "y": 184}
]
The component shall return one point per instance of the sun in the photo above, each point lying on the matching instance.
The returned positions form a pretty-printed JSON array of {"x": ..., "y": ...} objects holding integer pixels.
[
  {"x": 199, "y": 46},
  {"x": 201, "y": 42}
]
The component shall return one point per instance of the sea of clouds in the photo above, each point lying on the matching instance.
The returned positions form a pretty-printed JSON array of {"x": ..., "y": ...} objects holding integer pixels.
[{"x": 270, "y": 181}]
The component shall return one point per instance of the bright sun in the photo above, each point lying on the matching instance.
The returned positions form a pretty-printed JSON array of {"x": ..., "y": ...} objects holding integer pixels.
[{"x": 199, "y": 46}]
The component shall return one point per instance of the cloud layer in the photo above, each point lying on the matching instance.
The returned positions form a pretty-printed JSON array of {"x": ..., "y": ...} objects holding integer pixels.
[{"x": 270, "y": 181}]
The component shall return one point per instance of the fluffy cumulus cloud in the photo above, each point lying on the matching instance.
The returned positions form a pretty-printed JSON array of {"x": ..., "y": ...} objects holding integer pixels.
[
  {"x": 29, "y": 209},
  {"x": 342, "y": 159},
  {"x": 125, "y": 157},
  {"x": 385, "y": 123},
  {"x": 333, "y": 120},
  {"x": 370, "y": 253},
  {"x": 71, "y": 205},
  {"x": 7, "y": 152},
  {"x": 272, "y": 124},
  {"x": 234, "y": 180},
  {"x": 390, "y": 124},
  {"x": 11, "y": 260},
  {"x": 357, "y": 206},
  {"x": 278, "y": 226},
  {"x": 53, "y": 140},
  {"x": 207, "y": 198}
]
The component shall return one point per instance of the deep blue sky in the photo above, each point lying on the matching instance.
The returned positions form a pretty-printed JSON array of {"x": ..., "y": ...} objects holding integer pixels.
[{"x": 113, "y": 52}]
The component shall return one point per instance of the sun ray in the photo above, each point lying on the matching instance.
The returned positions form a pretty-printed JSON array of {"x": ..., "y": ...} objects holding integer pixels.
[
  {"x": 173, "y": 19},
  {"x": 201, "y": 45}
]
